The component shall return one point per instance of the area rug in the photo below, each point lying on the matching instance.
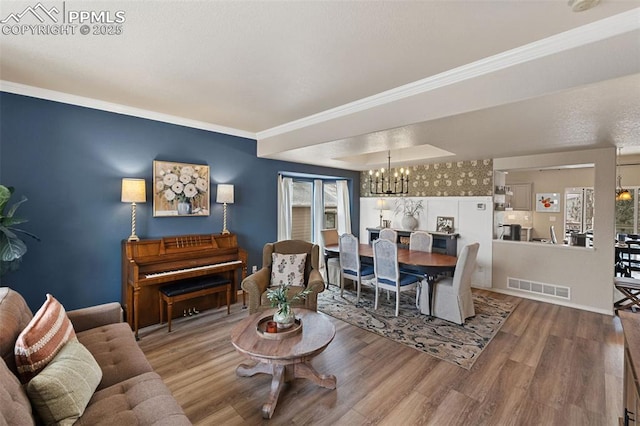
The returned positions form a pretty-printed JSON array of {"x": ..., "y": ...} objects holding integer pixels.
[{"x": 458, "y": 344}]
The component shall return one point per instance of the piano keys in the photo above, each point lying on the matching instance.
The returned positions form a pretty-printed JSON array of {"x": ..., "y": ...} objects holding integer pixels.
[
  {"x": 150, "y": 263},
  {"x": 197, "y": 268}
]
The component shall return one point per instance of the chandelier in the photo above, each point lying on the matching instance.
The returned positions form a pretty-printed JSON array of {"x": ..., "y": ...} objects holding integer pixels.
[
  {"x": 380, "y": 184},
  {"x": 621, "y": 193}
]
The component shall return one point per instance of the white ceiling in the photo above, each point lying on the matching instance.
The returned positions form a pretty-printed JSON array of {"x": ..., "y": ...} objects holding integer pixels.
[{"x": 340, "y": 83}]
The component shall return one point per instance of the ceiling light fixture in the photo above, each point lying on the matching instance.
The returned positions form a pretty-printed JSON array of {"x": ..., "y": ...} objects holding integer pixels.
[
  {"x": 582, "y": 5},
  {"x": 378, "y": 181},
  {"x": 621, "y": 193}
]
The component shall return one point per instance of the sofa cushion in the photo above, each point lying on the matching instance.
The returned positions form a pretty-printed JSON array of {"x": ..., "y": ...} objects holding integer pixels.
[
  {"x": 61, "y": 391},
  {"x": 14, "y": 317},
  {"x": 15, "y": 408},
  {"x": 144, "y": 399},
  {"x": 288, "y": 269},
  {"x": 115, "y": 349},
  {"x": 47, "y": 332}
]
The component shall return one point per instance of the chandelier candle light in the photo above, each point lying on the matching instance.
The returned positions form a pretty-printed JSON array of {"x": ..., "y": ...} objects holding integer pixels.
[
  {"x": 378, "y": 181},
  {"x": 225, "y": 196},
  {"x": 133, "y": 191}
]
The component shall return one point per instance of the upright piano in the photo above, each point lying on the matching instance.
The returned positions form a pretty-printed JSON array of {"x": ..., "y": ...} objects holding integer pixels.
[{"x": 148, "y": 264}]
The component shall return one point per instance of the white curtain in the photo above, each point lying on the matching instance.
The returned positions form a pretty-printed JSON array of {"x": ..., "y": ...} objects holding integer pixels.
[
  {"x": 285, "y": 195},
  {"x": 318, "y": 211},
  {"x": 318, "y": 217},
  {"x": 344, "y": 213}
]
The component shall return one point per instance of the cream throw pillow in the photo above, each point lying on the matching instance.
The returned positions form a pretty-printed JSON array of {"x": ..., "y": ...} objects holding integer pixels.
[
  {"x": 61, "y": 391},
  {"x": 288, "y": 269}
]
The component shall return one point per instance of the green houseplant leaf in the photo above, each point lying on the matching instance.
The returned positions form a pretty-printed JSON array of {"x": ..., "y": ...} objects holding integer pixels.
[{"x": 12, "y": 248}]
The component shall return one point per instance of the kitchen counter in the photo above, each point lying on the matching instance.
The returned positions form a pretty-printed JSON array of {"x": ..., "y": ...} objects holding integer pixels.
[{"x": 542, "y": 243}]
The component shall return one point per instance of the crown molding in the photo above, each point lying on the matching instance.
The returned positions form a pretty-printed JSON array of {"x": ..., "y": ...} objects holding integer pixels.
[
  {"x": 52, "y": 95},
  {"x": 586, "y": 34}
]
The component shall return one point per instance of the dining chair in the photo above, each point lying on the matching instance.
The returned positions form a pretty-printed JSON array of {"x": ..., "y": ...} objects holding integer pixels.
[
  {"x": 387, "y": 271},
  {"x": 332, "y": 268},
  {"x": 389, "y": 234},
  {"x": 421, "y": 241},
  {"x": 350, "y": 266},
  {"x": 452, "y": 299}
]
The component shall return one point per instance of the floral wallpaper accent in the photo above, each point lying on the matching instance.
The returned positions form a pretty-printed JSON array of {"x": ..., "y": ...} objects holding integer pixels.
[{"x": 454, "y": 179}]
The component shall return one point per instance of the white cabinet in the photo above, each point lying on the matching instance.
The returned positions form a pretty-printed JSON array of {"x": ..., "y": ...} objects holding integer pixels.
[{"x": 519, "y": 196}]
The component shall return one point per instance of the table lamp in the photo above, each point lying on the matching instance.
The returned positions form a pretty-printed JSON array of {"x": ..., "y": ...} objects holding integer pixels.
[
  {"x": 133, "y": 191},
  {"x": 381, "y": 204},
  {"x": 225, "y": 196}
]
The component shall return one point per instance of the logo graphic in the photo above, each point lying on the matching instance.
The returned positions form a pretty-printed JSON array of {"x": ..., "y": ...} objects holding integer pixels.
[
  {"x": 42, "y": 21},
  {"x": 33, "y": 10}
]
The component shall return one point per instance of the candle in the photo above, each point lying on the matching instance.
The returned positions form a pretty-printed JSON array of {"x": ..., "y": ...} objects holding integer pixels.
[{"x": 272, "y": 327}]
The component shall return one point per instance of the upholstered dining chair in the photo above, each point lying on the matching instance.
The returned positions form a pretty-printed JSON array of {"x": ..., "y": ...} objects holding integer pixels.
[
  {"x": 350, "y": 266},
  {"x": 421, "y": 241},
  {"x": 389, "y": 234},
  {"x": 332, "y": 268},
  {"x": 256, "y": 284},
  {"x": 452, "y": 299},
  {"x": 387, "y": 271}
]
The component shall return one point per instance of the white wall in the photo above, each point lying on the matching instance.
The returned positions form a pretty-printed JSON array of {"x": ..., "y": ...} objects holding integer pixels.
[
  {"x": 587, "y": 272},
  {"x": 472, "y": 223}
]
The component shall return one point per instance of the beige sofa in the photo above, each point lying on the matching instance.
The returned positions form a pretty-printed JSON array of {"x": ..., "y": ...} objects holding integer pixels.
[{"x": 129, "y": 393}]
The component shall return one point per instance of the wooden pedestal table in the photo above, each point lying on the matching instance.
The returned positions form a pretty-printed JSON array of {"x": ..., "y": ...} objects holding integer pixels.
[{"x": 285, "y": 359}]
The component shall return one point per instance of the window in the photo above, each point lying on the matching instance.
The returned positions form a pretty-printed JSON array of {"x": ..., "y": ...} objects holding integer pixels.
[
  {"x": 301, "y": 214},
  {"x": 307, "y": 204},
  {"x": 628, "y": 214},
  {"x": 302, "y": 209},
  {"x": 579, "y": 210},
  {"x": 330, "y": 205}
]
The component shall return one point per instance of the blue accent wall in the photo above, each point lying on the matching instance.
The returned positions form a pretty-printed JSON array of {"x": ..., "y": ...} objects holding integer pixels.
[{"x": 69, "y": 161}]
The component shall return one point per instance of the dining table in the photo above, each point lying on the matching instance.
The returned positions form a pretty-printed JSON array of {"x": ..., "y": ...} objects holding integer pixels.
[{"x": 429, "y": 265}]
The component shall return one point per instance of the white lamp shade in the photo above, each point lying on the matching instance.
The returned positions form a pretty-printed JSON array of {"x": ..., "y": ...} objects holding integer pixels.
[
  {"x": 133, "y": 191},
  {"x": 225, "y": 194},
  {"x": 381, "y": 204}
]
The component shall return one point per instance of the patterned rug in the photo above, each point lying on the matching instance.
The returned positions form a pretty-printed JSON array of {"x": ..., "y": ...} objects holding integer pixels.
[{"x": 458, "y": 344}]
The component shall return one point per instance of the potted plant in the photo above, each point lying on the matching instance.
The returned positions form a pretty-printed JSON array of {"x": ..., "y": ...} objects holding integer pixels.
[
  {"x": 284, "y": 316},
  {"x": 410, "y": 208},
  {"x": 12, "y": 248}
]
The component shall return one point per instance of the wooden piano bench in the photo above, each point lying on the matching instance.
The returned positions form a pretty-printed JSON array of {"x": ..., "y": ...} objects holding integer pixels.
[
  {"x": 630, "y": 288},
  {"x": 190, "y": 289}
]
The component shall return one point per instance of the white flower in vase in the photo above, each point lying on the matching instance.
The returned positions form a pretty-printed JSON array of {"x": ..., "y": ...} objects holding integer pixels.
[{"x": 169, "y": 195}]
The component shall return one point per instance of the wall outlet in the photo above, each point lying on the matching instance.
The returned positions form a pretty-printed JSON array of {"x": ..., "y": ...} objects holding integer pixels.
[
  {"x": 254, "y": 269},
  {"x": 552, "y": 218}
]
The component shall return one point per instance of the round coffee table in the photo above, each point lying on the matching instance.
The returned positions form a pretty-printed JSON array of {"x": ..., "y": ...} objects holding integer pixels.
[{"x": 284, "y": 359}]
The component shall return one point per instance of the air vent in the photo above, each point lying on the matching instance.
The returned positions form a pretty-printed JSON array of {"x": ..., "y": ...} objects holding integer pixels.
[{"x": 539, "y": 288}]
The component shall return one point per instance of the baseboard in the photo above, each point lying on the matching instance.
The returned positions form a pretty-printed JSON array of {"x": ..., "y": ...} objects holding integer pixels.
[{"x": 553, "y": 302}]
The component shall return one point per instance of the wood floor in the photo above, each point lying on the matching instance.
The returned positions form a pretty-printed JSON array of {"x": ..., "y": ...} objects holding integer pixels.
[{"x": 548, "y": 365}]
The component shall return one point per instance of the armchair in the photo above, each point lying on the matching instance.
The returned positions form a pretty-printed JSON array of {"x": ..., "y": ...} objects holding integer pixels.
[{"x": 256, "y": 284}]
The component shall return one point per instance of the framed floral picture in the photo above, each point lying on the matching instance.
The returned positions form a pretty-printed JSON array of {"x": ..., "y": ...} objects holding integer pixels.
[
  {"x": 180, "y": 189},
  {"x": 548, "y": 202}
]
